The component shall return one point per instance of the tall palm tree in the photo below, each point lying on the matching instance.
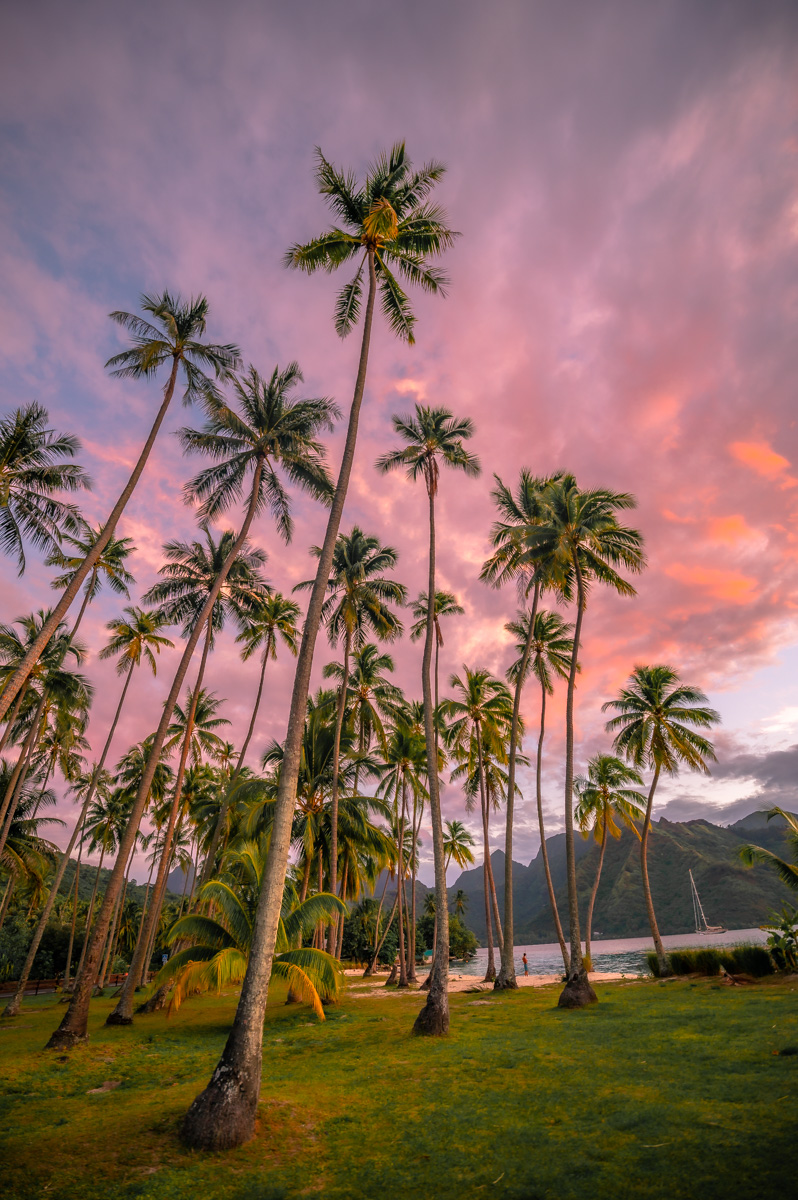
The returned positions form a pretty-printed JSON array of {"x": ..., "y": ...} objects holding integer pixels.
[
  {"x": 445, "y": 606},
  {"x": 109, "y": 567},
  {"x": 547, "y": 656},
  {"x": 388, "y": 221},
  {"x": 33, "y": 470},
  {"x": 457, "y": 843},
  {"x": 274, "y": 618},
  {"x": 581, "y": 541},
  {"x": 656, "y": 729},
  {"x": 480, "y": 713},
  {"x": 433, "y": 436},
  {"x": 603, "y": 798},
  {"x": 513, "y": 560},
  {"x": 172, "y": 337},
  {"x": 102, "y": 830},
  {"x": 359, "y": 594}
]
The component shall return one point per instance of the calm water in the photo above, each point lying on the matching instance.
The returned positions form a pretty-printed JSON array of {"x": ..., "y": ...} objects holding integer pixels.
[{"x": 624, "y": 954}]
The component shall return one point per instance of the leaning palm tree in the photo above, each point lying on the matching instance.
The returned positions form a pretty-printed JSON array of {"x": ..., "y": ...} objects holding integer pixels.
[
  {"x": 109, "y": 567},
  {"x": 604, "y": 798},
  {"x": 433, "y": 436},
  {"x": 513, "y": 560},
  {"x": 388, "y": 222},
  {"x": 359, "y": 595},
  {"x": 581, "y": 542},
  {"x": 547, "y": 656},
  {"x": 270, "y": 437},
  {"x": 34, "y": 468},
  {"x": 172, "y": 337},
  {"x": 656, "y": 729},
  {"x": 274, "y": 618}
]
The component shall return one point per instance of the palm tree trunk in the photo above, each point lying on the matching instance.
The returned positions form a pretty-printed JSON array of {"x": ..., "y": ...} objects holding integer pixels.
[
  {"x": 7, "y": 894},
  {"x": 388, "y": 924},
  {"x": 112, "y": 930},
  {"x": 400, "y": 888},
  {"x": 90, "y": 914},
  {"x": 146, "y": 899},
  {"x": 19, "y": 774},
  {"x": 434, "y": 1016},
  {"x": 51, "y": 624},
  {"x": 339, "y": 943},
  {"x": 223, "y": 1115},
  {"x": 577, "y": 991},
  {"x": 543, "y": 848},
  {"x": 68, "y": 968},
  {"x": 490, "y": 972},
  {"x": 210, "y": 857},
  {"x": 86, "y": 598},
  {"x": 339, "y": 722},
  {"x": 411, "y": 974},
  {"x": 591, "y": 905},
  {"x": 662, "y": 960},
  {"x": 74, "y": 1025},
  {"x": 506, "y": 977},
  {"x": 370, "y": 968},
  {"x": 123, "y": 1013},
  {"x": 12, "y": 716}
]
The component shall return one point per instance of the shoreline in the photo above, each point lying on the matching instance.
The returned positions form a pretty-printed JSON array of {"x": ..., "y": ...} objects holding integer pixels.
[{"x": 375, "y": 984}]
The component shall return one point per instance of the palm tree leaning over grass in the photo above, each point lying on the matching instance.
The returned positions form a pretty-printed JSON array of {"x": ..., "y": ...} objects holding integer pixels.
[
  {"x": 432, "y": 436},
  {"x": 33, "y": 469},
  {"x": 171, "y": 337},
  {"x": 603, "y": 797},
  {"x": 551, "y": 648},
  {"x": 388, "y": 223},
  {"x": 513, "y": 560},
  {"x": 582, "y": 541},
  {"x": 357, "y": 603},
  {"x": 109, "y": 567},
  {"x": 274, "y": 618},
  {"x": 655, "y": 729}
]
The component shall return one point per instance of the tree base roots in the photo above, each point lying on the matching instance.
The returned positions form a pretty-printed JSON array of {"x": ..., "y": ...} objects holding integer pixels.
[
  {"x": 433, "y": 1020},
  {"x": 12, "y": 1009},
  {"x": 505, "y": 983},
  {"x": 577, "y": 992},
  {"x": 65, "y": 1039},
  {"x": 222, "y": 1117},
  {"x": 116, "y": 1018},
  {"x": 156, "y": 1001}
]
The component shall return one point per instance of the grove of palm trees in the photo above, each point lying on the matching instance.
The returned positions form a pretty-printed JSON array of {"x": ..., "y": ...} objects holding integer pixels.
[{"x": 305, "y": 681}]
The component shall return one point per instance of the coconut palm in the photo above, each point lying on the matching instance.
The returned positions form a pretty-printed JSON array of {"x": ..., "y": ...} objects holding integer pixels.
[
  {"x": 172, "y": 337},
  {"x": 457, "y": 843},
  {"x": 109, "y": 567},
  {"x": 33, "y": 470},
  {"x": 603, "y": 799},
  {"x": 274, "y": 618},
  {"x": 433, "y": 436},
  {"x": 514, "y": 560},
  {"x": 388, "y": 220},
  {"x": 359, "y": 595},
  {"x": 656, "y": 729},
  {"x": 787, "y": 871},
  {"x": 445, "y": 606},
  {"x": 548, "y": 657},
  {"x": 581, "y": 542}
]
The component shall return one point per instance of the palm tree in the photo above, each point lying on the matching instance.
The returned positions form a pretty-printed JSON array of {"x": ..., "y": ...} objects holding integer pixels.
[
  {"x": 273, "y": 617},
  {"x": 32, "y": 471},
  {"x": 513, "y": 560},
  {"x": 787, "y": 871},
  {"x": 457, "y": 843},
  {"x": 109, "y": 567},
  {"x": 102, "y": 829},
  {"x": 581, "y": 541},
  {"x": 357, "y": 604},
  {"x": 460, "y": 902},
  {"x": 656, "y": 729},
  {"x": 604, "y": 797},
  {"x": 445, "y": 606},
  {"x": 433, "y": 436},
  {"x": 388, "y": 221},
  {"x": 173, "y": 338},
  {"x": 548, "y": 656},
  {"x": 480, "y": 715}
]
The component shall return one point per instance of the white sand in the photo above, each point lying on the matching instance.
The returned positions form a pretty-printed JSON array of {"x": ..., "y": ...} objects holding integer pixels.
[{"x": 374, "y": 985}]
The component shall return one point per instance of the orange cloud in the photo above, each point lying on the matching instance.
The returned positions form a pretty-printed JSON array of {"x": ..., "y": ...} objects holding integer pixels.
[
  {"x": 733, "y": 530},
  {"x": 763, "y": 459},
  {"x": 723, "y": 585}
]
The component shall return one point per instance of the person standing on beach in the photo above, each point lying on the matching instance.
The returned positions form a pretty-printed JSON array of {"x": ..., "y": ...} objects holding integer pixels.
[{"x": 526, "y": 964}]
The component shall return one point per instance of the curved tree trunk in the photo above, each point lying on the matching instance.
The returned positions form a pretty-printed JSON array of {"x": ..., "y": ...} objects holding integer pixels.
[
  {"x": 112, "y": 931},
  {"x": 400, "y": 890},
  {"x": 543, "y": 848},
  {"x": 593, "y": 894},
  {"x": 417, "y": 811},
  {"x": 577, "y": 991},
  {"x": 51, "y": 624},
  {"x": 123, "y": 1013},
  {"x": 388, "y": 925},
  {"x": 506, "y": 977},
  {"x": 434, "y": 1016},
  {"x": 370, "y": 968},
  {"x": 662, "y": 959},
  {"x": 90, "y": 915},
  {"x": 73, "y": 1027},
  {"x": 19, "y": 774},
  {"x": 490, "y": 970},
  {"x": 336, "y": 766},
  {"x": 86, "y": 601},
  {"x": 11, "y": 718},
  {"x": 68, "y": 969},
  {"x": 223, "y": 1115}
]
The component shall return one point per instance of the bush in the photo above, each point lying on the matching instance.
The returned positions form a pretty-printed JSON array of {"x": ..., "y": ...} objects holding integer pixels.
[
  {"x": 748, "y": 960},
  {"x": 706, "y": 960}
]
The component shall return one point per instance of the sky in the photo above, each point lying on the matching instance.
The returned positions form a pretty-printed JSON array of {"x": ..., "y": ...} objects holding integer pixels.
[{"x": 623, "y": 305}]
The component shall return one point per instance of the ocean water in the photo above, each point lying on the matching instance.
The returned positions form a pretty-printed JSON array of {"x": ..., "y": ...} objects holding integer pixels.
[{"x": 627, "y": 955}]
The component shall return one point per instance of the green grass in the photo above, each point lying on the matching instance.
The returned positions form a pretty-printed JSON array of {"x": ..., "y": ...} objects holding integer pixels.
[{"x": 664, "y": 1090}]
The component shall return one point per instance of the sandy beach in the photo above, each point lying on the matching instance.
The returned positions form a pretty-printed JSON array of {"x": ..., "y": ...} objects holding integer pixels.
[{"x": 357, "y": 986}]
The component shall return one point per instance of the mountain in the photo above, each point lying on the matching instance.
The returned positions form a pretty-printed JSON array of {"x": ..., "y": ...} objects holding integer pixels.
[{"x": 731, "y": 895}]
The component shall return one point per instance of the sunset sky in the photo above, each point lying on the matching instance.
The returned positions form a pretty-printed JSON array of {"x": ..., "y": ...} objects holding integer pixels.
[{"x": 623, "y": 305}]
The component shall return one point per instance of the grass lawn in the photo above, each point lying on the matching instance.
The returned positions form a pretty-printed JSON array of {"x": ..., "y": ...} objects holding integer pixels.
[{"x": 662, "y": 1090}]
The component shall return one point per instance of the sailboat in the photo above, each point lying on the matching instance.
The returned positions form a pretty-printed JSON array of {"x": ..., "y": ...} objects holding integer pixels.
[{"x": 701, "y": 925}]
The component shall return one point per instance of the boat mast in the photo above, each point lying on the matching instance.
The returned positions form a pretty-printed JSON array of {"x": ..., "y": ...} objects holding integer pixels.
[{"x": 698, "y": 912}]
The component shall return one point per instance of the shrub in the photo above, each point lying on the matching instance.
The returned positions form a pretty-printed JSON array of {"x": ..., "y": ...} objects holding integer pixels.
[
  {"x": 748, "y": 960},
  {"x": 706, "y": 960}
]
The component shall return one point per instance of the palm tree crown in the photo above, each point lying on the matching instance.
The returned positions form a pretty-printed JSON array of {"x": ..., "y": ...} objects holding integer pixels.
[
  {"x": 604, "y": 795},
  {"x": 110, "y": 566},
  {"x": 389, "y": 218},
  {"x": 134, "y": 638},
  {"x": 431, "y": 435},
  {"x": 657, "y": 721}
]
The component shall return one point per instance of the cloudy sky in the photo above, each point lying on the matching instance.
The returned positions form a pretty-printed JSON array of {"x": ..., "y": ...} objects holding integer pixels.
[{"x": 623, "y": 305}]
